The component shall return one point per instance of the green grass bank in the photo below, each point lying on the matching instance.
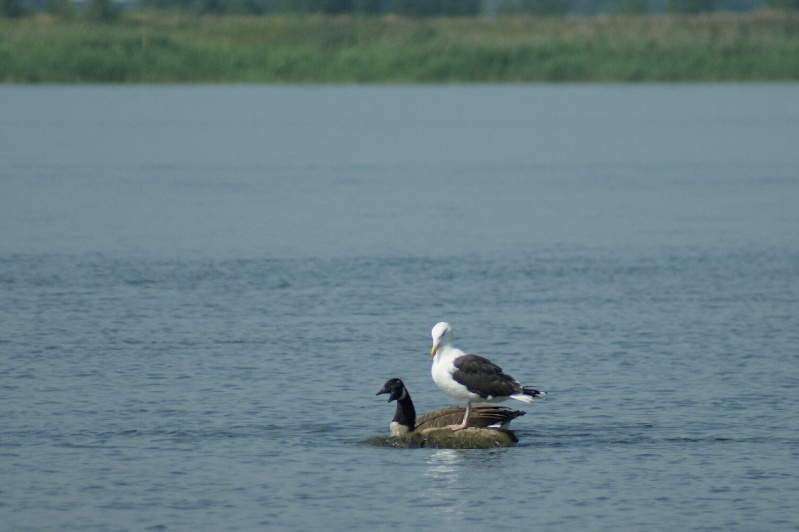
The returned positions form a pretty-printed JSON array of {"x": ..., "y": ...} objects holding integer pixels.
[{"x": 157, "y": 47}]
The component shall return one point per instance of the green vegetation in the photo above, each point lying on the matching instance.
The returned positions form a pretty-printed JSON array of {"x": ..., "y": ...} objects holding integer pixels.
[
  {"x": 444, "y": 438},
  {"x": 162, "y": 47}
]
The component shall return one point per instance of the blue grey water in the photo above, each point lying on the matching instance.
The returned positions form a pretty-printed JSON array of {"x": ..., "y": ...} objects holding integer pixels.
[{"x": 203, "y": 288}]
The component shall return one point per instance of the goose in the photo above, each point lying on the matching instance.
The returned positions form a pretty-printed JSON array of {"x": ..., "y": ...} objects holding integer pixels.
[
  {"x": 405, "y": 421},
  {"x": 471, "y": 378}
]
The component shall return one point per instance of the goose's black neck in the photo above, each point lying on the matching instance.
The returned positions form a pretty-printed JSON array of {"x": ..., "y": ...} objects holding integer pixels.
[{"x": 405, "y": 413}]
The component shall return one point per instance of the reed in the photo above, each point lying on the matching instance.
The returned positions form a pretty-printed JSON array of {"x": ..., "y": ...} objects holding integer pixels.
[{"x": 158, "y": 47}]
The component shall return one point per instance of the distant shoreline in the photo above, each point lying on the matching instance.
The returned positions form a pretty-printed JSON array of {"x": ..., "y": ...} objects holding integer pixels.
[{"x": 178, "y": 48}]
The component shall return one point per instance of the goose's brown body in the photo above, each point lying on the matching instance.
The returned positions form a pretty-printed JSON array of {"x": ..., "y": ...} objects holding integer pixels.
[{"x": 405, "y": 421}]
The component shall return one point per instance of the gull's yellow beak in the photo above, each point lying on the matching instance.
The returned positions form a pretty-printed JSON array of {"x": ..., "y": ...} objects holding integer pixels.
[{"x": 433, "y": 350}]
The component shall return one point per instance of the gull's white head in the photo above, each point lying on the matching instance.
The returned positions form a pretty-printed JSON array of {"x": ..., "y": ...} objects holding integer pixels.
[{"x": 442, "y": 334}]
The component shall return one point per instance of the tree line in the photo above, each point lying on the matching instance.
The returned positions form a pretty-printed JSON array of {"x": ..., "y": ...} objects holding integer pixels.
[{"x": 110, "y": 9}]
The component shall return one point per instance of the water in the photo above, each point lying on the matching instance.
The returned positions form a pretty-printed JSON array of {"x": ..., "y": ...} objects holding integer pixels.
[{"x": 203, "y": 288}]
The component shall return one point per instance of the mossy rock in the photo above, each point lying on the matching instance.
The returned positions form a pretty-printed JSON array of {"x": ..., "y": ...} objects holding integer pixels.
[{"x": 445, "y": 438}]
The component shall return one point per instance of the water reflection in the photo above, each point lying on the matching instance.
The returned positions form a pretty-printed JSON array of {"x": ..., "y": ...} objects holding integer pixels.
[
  {"x": 442, "y": 464},
  {"x": 449, "y": 474},
  {"x": 443, "y": 473}
]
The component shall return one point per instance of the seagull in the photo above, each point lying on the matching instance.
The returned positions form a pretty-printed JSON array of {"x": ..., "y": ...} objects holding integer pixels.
[
  {"x": 471, "y": 378},
  {"x": 404, "y": 422}
]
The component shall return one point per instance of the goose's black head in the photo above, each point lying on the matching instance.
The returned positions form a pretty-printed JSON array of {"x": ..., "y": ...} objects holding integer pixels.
[{"x": 394, "y": 388}]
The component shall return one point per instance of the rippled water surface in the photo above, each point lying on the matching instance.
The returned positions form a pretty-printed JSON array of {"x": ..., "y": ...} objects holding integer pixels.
[{"x": 203, "y": 288}]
